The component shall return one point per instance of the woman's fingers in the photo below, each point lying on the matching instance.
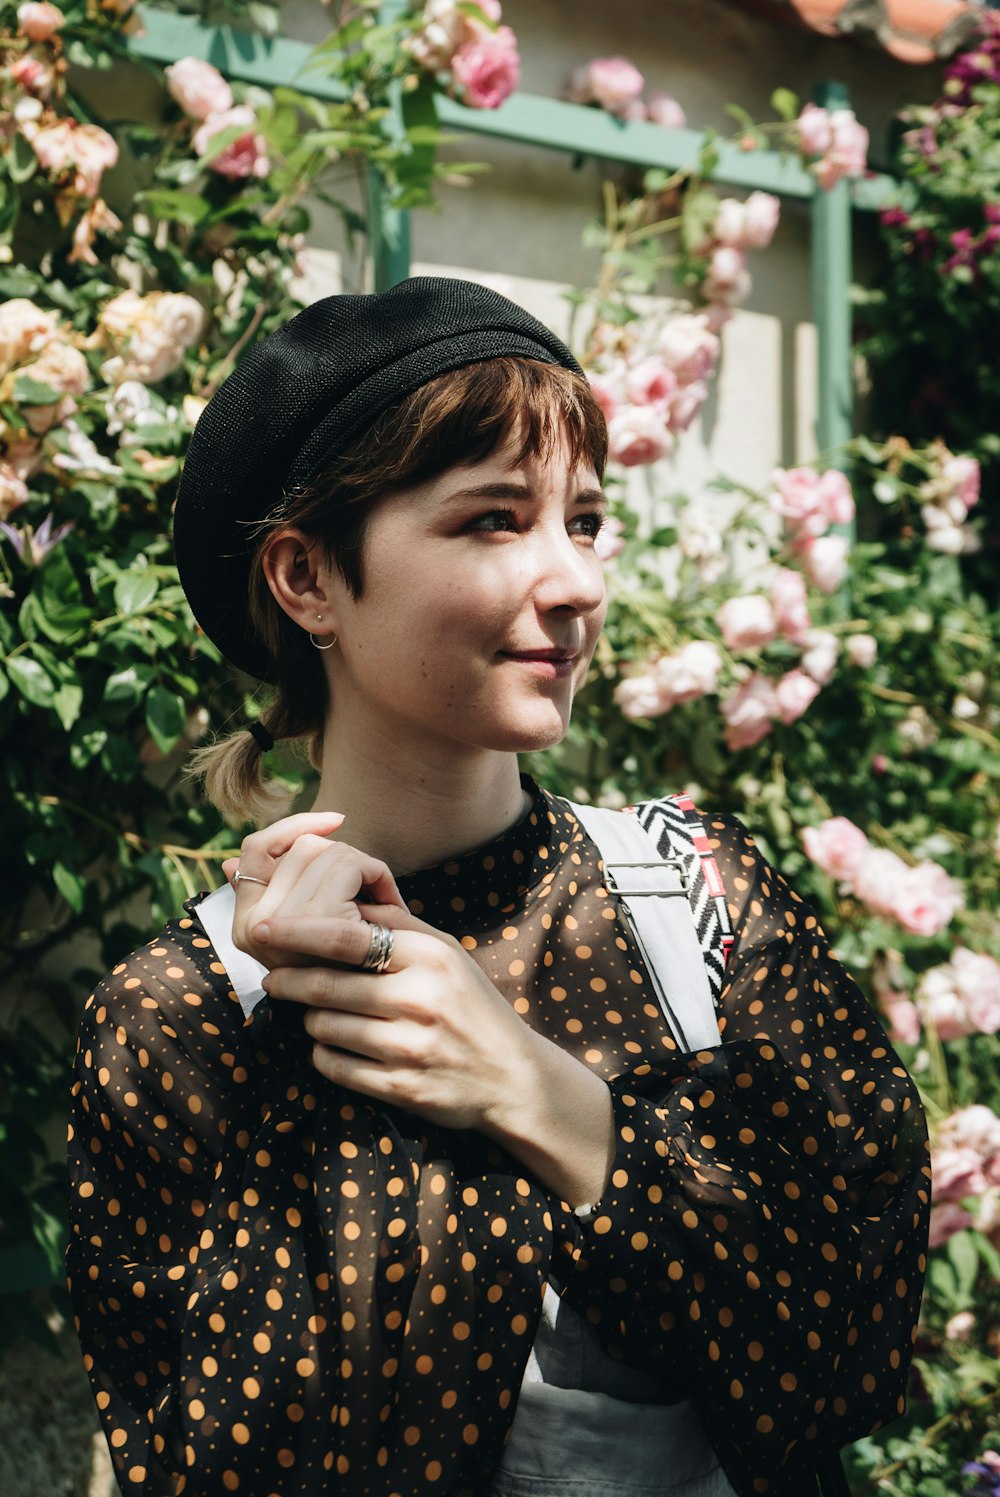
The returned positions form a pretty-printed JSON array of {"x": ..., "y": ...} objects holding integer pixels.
[{"x": 343, "y": 942}]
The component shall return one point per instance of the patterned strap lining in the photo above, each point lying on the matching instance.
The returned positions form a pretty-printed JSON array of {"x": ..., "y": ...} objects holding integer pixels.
[{"x": 679, "y": 833}]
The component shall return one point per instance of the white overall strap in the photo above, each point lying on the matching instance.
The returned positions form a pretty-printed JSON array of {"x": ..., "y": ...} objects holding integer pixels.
[
  {"x": 216, "y": 913},
  {"x": 653, "y": 894}
]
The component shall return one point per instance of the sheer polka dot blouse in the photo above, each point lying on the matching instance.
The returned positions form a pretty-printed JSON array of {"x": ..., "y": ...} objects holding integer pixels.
[{"x": 284, "y": 1290}]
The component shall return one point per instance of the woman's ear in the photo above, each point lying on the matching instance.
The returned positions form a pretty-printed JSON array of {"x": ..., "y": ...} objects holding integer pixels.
[{"x": 298, "y": 576}]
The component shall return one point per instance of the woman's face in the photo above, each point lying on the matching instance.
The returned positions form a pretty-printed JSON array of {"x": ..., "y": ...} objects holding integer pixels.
[{"x": 482, "y": 605}]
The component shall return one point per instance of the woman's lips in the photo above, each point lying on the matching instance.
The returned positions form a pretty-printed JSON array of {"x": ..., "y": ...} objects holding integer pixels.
[{"x": 550, "y": 664}]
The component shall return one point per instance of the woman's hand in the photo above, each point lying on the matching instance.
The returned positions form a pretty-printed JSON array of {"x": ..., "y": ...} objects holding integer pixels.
[
  {"x": 430, "y": 1034},
  {"x": 303, "y": 873}
]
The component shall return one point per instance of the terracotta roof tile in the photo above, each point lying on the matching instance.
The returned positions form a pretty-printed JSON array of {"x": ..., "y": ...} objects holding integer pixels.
[{"x": 912, "y": 30}]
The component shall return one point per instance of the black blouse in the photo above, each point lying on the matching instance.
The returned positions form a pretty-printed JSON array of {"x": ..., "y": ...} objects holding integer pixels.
[{"x": 279, "y": 1283}]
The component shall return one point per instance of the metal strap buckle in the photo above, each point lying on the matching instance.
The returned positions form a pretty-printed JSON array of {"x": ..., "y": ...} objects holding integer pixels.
[{"x": 611, "y": 880}]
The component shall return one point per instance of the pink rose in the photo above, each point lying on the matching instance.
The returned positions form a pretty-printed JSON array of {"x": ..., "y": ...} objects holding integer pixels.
[
  {"x": 650, "y": 383},
  {"x": 746, "y": 622},
  {"x": 39, "y": 22},
  {"x": 604, "y": 393},
  {"x": 925, "y": 900},
  {"x": 961, "y": 474},
  {"x": 814, "y": 130},
  {"x": 946, "y": 1220},
  {"x": 691, "y": 672},
  {"x": 960, "y": 1326},
  {"x": 943, "y": 1009},
  {"x": 835, "y": 496},
  {"x": 861, "y": 650},
  {"x": 24, "y": 329},
  {"x": 611, "y": 82},
  {"x": 728, "y": 280},
  {"x": 795, "y": 496},
  {"x": 837, "y": 846},
  {"x": 198, "y": 88},
  {"x": 749, "y": 712},
  {"x": 795, "y": 691},
  {"x": 956, "y": 1174},
  {"x": 789, "y": 601},
  {"x": 689, "y": 347},
  {"x": 610, "y": 538},
  {"x": 246, "y": 156},
  {"x": 847, "y": 155},
  {"x": 686, "y": 404},
  {"x": 747, "y": 225},
  {"x": 977, "y": 982},
  {"x": 976, "y": 1127},
  {"x": 31, "y": 74},
  {"x": 642, "y": 696},
  {"x": 903, "y": 1017},
  {"x": 638, "y": 434},
  {"x": 87, "y": 150},
  {"x": 819, "y": 658},
  {"x": 826, "y": 561},
  {"x": 875, "y": 879},
  {"x": 663, "y": 109},
  {"x": 762, "y": 212},
  {"x": 488, "y": 68},
  {"x": 62, "y": 368}
]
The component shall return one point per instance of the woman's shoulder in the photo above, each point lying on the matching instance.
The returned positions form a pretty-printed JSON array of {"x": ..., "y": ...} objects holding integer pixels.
[{"x": 174, "y": 989}]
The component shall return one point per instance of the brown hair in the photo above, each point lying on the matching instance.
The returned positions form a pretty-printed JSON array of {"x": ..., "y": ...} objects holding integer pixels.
[{"x": 458, "y": 418}]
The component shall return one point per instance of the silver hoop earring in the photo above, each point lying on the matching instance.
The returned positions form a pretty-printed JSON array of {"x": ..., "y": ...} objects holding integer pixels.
[{"x": 317, "y": 646}]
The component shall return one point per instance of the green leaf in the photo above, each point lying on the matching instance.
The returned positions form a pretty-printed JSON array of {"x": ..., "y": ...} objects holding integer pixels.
[
  {"x": 22, "y": 163},
  {"x": 170, "y": 203},
  {"x": 34, "y": 683},
  {"x": 28, "y": 391},
  {"x": 67, "y": 703},
  {"x": 134, "y": 591},
  {"x": 785, "y": 104},
  {"x": 70, "y": 885},
  {"x": 965, "y": 1260},
  {"x": 266, "y": 18},
  {"x": 164, "y": 717},
  {"x": 124, "y": 686}
]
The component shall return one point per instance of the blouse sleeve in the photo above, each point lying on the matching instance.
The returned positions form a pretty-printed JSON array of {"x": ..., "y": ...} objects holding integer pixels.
[
  {"x": 765, "y": 1224},
  {"x": 279, "y": 1287}
]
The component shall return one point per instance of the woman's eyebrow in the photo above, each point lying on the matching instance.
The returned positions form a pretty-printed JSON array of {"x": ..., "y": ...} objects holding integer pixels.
[{"x": 507, "y": 490}]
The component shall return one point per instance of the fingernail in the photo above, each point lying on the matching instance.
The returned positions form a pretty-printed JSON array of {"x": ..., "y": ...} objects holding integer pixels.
[{"x": 262, "y": 933}]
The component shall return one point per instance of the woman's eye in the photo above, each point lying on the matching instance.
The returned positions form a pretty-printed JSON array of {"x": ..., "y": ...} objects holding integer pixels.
[
  {"x": 495, "y": 519},
  {"x": 591, "y": 524}
]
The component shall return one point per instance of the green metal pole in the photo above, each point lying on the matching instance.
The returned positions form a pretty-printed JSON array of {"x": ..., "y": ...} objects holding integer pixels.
[
  {"x": 831, "y": 297},
  {"x": 388, "y": 227}
]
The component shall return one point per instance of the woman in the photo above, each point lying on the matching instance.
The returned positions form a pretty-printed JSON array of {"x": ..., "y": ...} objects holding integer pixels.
[{"x": 451, "y": 1183}]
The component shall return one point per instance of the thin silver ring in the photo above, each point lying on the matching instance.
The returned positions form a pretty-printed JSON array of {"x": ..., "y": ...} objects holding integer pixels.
[
  {"x": 248, "y": 878},
  {"x": 380, "y": 951}
]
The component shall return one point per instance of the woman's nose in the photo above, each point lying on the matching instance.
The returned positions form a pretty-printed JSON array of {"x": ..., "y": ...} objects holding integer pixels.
[{"x": 570, "y": 575}]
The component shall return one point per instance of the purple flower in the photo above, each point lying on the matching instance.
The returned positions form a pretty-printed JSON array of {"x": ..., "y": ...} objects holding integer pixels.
[
  {"x": 32, "y": 546},
  {"x": 894, "y": 218},
  {"x": 987, "y": 1473}
]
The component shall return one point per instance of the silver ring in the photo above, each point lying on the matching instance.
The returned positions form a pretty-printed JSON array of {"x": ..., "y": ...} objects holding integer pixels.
[
  {"x": 248, "y": 878},
  {"x": 380, "y": 951}
]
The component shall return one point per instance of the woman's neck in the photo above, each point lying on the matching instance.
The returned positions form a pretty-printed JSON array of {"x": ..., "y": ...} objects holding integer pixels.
[{"x": 414, "y": 807}]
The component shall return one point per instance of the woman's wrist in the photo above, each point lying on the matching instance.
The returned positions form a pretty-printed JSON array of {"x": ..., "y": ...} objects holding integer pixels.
[{"x": 557, "y": 1119}]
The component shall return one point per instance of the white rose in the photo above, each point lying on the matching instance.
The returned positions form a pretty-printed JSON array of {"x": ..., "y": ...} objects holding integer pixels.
[
  {"x": 62, "y": 367},
  {"x": 180, "y": 317}
]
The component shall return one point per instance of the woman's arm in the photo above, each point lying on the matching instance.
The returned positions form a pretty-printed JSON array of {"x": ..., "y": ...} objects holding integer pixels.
[{"x": 766, "y": 1218}]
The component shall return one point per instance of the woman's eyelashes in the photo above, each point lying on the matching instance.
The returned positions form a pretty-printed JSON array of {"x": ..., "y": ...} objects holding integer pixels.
[{"x": 498, "y": 520}]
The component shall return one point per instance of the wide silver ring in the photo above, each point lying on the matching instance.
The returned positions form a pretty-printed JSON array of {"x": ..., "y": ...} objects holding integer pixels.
[
  {"x": 380, "y": 951},
  {"x": 248, "y": 878}
]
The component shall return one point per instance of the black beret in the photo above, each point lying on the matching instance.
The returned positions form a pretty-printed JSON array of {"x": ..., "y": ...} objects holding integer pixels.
[{"x": 300, "y": 397}]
